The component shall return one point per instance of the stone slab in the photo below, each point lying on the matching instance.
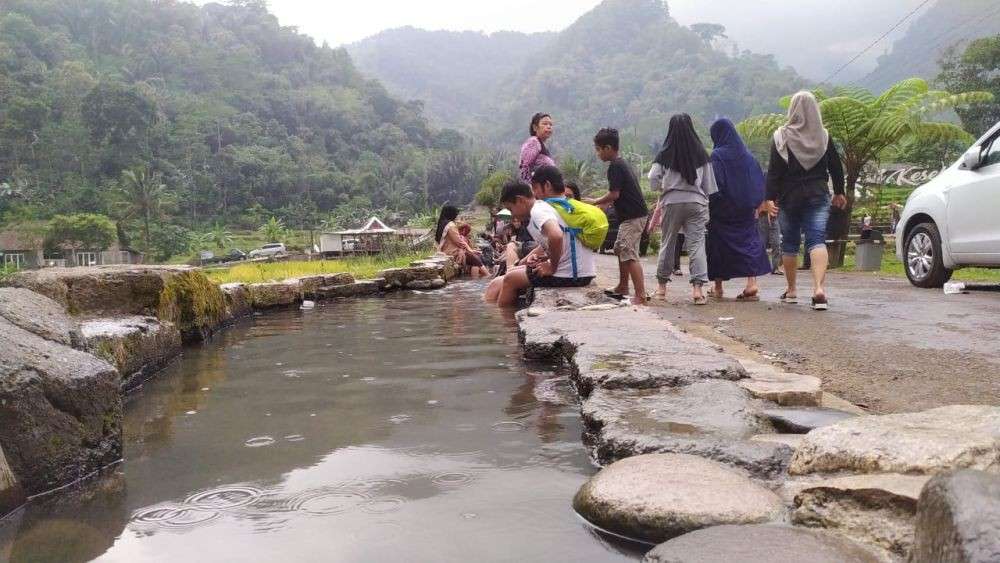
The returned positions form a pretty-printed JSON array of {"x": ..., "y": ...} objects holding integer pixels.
[
  {"x": 790, "y": 440},
  {"x": 781, "y": 387},
  {"x": 757, "y": 544},
  {"x": 400, "y": 277},
  {"x": 136, "y": 346},
  {"x": 958, "y": 519},
  {"x": 928, "y": 442},
  {"x": 237, "y": 300},
  {"x": 39, "y": 315},
  {"x": 657, "y": 497},
  {"x": 268, "y": 295},
  {"x": 804, "y": 419}
]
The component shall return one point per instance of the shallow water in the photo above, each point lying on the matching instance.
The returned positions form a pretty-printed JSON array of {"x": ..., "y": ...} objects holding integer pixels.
[{"x": 405, "y": 428}]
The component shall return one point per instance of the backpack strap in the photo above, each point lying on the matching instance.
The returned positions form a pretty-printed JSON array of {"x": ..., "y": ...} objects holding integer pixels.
[{"x": 561, "y": 202}]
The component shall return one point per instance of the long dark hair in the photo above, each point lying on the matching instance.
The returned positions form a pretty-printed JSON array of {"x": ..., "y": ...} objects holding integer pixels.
[
  {"x": 683, "y": 152},
  {"x": 535, "y": 120},
  {"x": 448, "y": 214}
]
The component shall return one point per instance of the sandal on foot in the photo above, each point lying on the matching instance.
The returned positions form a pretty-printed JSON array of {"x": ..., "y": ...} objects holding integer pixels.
[
  {"x": 789, "y": 299},
  {"x": 711, "y": 293},
  {"x": 819, "y": 303},
  {"x": 614, "y": 294},
  {"x": 660, "y": 296},
  {"x": 744, "y": 296},
  {"x": 700, "y": 301}
]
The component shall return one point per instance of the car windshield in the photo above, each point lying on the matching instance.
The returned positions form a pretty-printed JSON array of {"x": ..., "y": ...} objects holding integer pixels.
[{"x": 269, "y": 246}]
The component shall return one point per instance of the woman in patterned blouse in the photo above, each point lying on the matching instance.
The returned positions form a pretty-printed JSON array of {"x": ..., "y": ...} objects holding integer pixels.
[{"x": 534, "y": 152}]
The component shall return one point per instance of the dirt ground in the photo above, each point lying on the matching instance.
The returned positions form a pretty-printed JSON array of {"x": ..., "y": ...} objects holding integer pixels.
[{"x": 884, "y": 345}]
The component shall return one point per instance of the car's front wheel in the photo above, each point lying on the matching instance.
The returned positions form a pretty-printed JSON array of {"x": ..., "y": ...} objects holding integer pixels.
[{"x": 924, "y": 264}]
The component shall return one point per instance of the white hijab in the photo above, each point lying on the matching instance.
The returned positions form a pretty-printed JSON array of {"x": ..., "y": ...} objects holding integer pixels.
[{"x": 804, "y": 134}]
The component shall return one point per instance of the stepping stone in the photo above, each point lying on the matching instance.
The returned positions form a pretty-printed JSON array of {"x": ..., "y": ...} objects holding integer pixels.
[
  {"x": 929, "y": 442},
  {"x": 709, "y": 418},
  {"x": 958, "y": 519},
  {"x": 784, "y": 388},
  {"x": 803, "y": 420},
  {"x": 656, "y": 497},
  {"x": 877, "y": 510},
  {"x": 754, "y": 544}
]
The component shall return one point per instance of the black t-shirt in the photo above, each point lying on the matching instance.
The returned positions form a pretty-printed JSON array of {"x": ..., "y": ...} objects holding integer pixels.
[{"x": 630, "y": 203}]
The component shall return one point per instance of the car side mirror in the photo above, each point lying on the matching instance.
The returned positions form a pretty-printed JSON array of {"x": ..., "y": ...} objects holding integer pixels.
[{"x": 972, "y": 158}]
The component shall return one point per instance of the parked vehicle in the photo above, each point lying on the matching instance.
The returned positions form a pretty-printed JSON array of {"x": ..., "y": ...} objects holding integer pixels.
[
  {"x": 207, "y": 257},
  {"x": 269, "y": 250},
  {"x": 952, "y": 221}
]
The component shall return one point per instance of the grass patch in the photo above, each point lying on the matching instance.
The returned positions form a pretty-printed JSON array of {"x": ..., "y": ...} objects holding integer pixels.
[
  {"x": 892, "y": 267},
  {"x": 364, "y": 267}
]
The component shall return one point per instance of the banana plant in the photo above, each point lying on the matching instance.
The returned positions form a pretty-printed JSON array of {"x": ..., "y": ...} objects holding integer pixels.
[{"x": 864, "y": 126}]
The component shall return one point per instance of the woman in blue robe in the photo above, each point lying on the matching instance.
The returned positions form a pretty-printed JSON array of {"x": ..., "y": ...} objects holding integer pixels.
[{"x": 733, "y": 242}]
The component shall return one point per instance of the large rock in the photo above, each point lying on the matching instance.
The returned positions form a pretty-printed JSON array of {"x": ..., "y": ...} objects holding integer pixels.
[
  {"x": 803, "y": 420},
  {"x": 756, "y": 544},
  {"x": 781, "y": 387},
  {"x": 60, "y": 410},
  {"x": 311, "y": 285},
  {"x": 436, "y": 283},
  {"x": 445, "y": 266},
  {"x": 101, "y": 290},
  {"x": 709, "y": 418},
  {"x": 268, "y": 295},
  {"x": 874, "y": 509},
  {"x": 11, "y": 494},
  {"x": 357, "y": 289},
  {"x": 236, "y": 297},
  {"x": 136, "y": 346},
  {"x": 38, "y": 314},
  {"x": 958, "y": 519},
  {"x": 657, "y": 497},
  {"x": 928, "y": 442},
  {"x": 680, "y": 363},
  {"x": 400, "y": 277}
]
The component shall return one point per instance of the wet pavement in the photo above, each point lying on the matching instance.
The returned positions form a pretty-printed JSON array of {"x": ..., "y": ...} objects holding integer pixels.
[
  {"x": 403, "y": 428},
  {"x": 884, "y": 345}
]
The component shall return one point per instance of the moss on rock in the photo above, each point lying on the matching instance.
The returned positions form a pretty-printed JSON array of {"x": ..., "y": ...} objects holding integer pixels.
[{"x": 193, "y": 303}]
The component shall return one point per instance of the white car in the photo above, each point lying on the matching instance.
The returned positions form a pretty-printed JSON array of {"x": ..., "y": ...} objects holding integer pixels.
[
  {"x": 953, "y": 221},
  {"x": 269, "y": 250}
]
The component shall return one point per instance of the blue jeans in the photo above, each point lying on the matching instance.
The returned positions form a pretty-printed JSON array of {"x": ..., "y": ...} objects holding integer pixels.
[{"x": 810, "y": 216}]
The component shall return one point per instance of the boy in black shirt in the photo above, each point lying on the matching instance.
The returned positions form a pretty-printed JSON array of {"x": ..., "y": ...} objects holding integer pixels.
[{"x": 630, "y": 207}]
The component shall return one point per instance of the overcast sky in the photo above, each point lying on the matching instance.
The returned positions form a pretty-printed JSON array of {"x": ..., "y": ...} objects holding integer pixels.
[{"x": 812, "y": 35}]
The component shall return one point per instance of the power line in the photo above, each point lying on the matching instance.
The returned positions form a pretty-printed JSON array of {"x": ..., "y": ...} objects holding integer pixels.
[{"x": 877, "y": 41}]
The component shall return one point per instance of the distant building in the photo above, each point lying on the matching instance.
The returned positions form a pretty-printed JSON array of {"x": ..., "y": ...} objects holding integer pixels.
[
  {"x": 368, "y": 239},
  {"x": 23, "y": 247}
]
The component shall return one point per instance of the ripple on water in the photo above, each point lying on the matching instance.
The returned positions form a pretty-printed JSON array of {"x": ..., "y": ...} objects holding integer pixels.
[
  {"x": 328, "y": 501},
  {"x": 508, "y": 426},
  {"x": 225, "y": 497},
  {"x": 174, "y": 516},
  {"x": 400, "y": 418},
  {"x": 452, "y": 479},
  {"x": 383, "y": 505},
  {"x": 294, "y": 438},
  {"x": 259, "y": 442}
]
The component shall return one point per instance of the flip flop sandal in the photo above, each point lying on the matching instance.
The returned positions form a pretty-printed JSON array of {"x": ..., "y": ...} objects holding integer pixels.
[
  {"x": 820, "y": 304},
  {"x": 711, "y": 293},
  {"x": 789, "y": 300},
  {"x": 748, "y": 298},
  {"x": 700, "y": 301},
  {"x": 613, "y": 294}
]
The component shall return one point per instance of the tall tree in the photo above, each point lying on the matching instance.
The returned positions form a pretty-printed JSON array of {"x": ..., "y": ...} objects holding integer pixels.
[
  {"x": 144, "y": 198},
  {"x": 976, "y": 68}
]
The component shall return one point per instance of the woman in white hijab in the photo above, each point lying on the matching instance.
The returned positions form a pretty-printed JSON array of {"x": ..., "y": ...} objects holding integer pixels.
[{"x": 803, "y": 161}]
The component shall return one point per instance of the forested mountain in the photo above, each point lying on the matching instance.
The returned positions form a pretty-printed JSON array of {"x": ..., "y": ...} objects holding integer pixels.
[
  {"x": 625, "y": 64},
  {"x": 237, "y": 117},
  {"x": 948, "y": 24},
  {"x": 454, "y": 73}
]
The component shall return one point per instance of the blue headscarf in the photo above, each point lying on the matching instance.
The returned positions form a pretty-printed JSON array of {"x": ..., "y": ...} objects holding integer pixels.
[{"x": 737, "y": 172}]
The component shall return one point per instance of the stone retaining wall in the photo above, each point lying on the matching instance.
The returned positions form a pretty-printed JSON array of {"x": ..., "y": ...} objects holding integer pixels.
[
  {"x": 654, "y": 400},
  {"x": 74, "y": 338}
]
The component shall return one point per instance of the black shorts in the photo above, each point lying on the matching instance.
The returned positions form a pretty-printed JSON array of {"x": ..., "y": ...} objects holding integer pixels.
[{"x": 553, "y": 281}]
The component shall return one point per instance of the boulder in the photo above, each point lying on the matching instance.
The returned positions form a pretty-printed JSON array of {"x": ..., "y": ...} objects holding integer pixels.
[
  {"x": 309, "y": 285},
  {"x": 710, "y": 418},
  {"x": 784, "y": 388},
  {"x": 136, "y": 346},
  {"x": 60, "y": 410},
  {"x": 804, "y": 419},
  {"x": 445, "y": 266},
  {"x": 400, "y": 277},
  {"x": 274, "y": 294},
  {"x": 101, "y": 290},
  {"x": 342, "y": 278},
  {"x": 877, "y": 510},
  {"x": 38, "y": 314},
  {"x": 929, "y": 442},
  {"x": 356, "y": 289},
  {"x": 437, "y": 283},
  {"x": 657, "y": 497},
  {"x": 958, "y": 519},
  {"x": 11, "y": 494},
  {"x": 754, "y": 544},
  {"x": 236, "y": 297}
]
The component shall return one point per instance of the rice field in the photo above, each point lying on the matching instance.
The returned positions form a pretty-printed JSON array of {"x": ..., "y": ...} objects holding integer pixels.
[{"x": 362, "y": 267}]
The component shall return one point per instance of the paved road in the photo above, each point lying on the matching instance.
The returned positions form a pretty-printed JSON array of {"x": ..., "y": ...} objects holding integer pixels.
[{"x": 884, "y": 345}]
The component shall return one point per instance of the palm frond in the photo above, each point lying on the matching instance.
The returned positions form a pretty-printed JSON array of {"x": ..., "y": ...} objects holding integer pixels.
[{"x": 760, "y": 127}]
